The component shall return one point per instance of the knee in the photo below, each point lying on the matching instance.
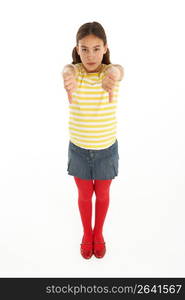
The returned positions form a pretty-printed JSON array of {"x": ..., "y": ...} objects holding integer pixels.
[
  {"x": 102, "y": 195},
  {"x": 85, "y": 195}
]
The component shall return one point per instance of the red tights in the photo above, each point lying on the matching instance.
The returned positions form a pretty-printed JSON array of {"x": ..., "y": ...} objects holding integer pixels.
[{"x": 85, "y": 192}]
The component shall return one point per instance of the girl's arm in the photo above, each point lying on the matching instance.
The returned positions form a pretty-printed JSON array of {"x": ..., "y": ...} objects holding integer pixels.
[
  {"x": 70, "y": 68},
  {"x": 69, "y": 75},
  {"x": 121, "y": 70},
  {"x": 117, "y": 69},
  {"x": 112, "y": 74}
]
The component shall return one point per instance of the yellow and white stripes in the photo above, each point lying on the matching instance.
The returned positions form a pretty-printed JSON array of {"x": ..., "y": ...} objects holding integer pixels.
[{"x": 92, "y": 120}]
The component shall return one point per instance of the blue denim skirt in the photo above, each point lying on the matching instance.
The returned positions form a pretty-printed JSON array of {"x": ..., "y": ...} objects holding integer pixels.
[{"x": 93, "y": 164}]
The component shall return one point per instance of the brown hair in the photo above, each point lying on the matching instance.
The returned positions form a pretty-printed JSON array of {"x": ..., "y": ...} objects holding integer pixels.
[{"x": 96, "y": 29}]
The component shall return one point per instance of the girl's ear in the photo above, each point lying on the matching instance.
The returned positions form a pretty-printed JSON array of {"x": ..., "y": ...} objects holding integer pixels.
[{"x": 105, "y": 48}]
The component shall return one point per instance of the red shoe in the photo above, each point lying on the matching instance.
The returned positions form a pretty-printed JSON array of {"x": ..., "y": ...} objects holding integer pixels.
[
  {"x": 99, "y": 249},
  {"x": 86, "y": 250}
]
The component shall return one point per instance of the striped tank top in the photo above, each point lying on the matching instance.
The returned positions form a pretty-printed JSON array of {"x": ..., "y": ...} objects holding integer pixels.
[{"x": 92, "y": 119}]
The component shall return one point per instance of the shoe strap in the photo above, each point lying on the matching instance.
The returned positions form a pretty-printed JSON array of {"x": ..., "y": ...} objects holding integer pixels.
[
  {"x": 87, "y": 243},
  {"x": 99, "y": 243}
]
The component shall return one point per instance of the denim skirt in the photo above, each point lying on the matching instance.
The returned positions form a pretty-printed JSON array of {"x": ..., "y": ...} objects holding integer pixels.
[{"x": 93, "y": 164}]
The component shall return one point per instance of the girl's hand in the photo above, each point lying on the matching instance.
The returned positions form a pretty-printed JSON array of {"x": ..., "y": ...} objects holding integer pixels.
[
  {"x": 69, "y": 77},
  {"x": 108, "y": 82}
]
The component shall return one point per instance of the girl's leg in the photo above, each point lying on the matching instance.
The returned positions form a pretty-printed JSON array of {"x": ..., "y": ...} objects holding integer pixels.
[
  {"x": 101, "y": 188},
  {"x": 85, "y": 192}
]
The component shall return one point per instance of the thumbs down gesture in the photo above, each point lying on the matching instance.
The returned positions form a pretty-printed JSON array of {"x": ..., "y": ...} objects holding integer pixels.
[{"x": 112, "y": 75}]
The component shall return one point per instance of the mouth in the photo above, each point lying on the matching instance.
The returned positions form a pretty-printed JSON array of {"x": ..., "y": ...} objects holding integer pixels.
[{"x": 91, "y": 64}]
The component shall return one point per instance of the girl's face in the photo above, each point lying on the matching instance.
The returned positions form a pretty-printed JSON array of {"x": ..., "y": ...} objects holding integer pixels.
[{"x": 91, "y": 50}]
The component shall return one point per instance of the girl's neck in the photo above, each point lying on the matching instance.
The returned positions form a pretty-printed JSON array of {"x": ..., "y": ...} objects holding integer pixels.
[{"x": 91, "y": 72}]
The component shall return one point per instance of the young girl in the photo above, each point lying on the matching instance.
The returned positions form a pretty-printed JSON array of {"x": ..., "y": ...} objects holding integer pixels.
[{"x": 92, "y": 82}]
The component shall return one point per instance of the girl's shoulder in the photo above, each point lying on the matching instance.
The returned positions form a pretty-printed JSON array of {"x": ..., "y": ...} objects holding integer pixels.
[
  {"x": 79, "y": 68},
  {"x": 105, "y": 67}
]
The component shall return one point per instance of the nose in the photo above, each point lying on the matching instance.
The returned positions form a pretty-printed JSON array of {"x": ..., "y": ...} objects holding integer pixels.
[{"x": 90, "y": 54}]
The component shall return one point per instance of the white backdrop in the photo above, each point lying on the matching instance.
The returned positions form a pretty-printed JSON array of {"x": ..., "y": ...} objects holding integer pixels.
[{"x": 40, "y": 225}]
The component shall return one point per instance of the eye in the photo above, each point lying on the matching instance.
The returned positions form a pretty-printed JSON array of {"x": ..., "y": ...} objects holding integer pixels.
[
  {"x": 97, "y": 49},
  {"x": 84, "y": 49}
]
